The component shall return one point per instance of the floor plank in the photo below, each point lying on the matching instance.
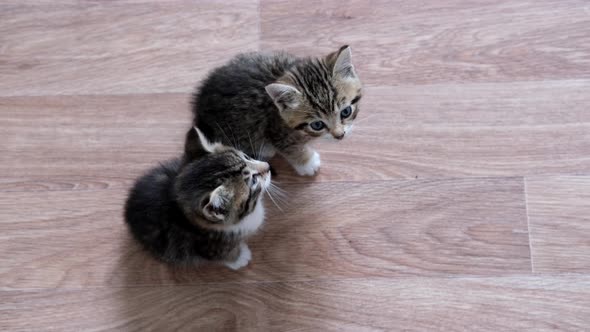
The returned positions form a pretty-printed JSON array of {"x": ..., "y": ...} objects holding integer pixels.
[
  {"x": 76, "y": 238},
  {"x": 447, "y": 130},
  {"x": 559, "y": 219},
  {"x": 95, "y": 47},
  {"x": 94, "y": 137},
  {"x": 433, "y": 304},
  {"x": 418, "y": 221},
  {"x": 458, "y": 130},
  {"x": 402, "y": 42}
]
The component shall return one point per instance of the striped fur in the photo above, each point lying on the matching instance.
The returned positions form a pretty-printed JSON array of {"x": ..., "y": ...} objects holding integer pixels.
[
  {"x": 268, "y": 103},
  {"x": 201, "y": 207}
]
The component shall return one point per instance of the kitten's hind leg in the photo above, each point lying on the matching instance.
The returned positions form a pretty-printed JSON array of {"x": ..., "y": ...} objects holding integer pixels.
[{"x": 242, "y": 259}]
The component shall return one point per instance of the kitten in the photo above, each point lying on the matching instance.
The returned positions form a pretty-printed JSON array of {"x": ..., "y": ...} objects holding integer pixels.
[
  {"x": 201, "y": 207},
  {"x": 263, "y": 104}
]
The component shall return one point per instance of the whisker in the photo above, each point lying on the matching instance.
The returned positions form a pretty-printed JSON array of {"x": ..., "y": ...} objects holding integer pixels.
[
  {"x": 251, "y": 145},
  {"x": 260, "y": 150},
  {"x": 279, "y": 194},
  {"x": 278, "y": 190},
  {"x": 282, "y": 201},
  {"x": 280, "y": 198},
  {"x": 365, "y": 119},
  {"x": 277, "y": 183},
  {"x": 235, "y": 141},
  {"x": 273, "y": 200},
  {"x": 224, "y": 134},
  {"x": 274, "y": 184}
]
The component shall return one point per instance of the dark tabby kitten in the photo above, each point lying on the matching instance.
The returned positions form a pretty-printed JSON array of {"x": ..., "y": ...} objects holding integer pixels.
[
  {"x": 201, "y": 207},
  {"x": 268, "y": 103}
]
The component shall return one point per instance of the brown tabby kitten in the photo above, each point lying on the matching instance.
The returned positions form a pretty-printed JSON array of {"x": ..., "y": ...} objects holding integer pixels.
[
  {"x": 200, "y": 208},
  {"x": 268, "y": 103}
]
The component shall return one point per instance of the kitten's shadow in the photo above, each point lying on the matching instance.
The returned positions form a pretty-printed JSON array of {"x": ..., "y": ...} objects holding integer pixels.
[
  {"x": 145, "y": 298},
  {"x": 282, "y": 238},
  {"x": 151, "y": 295}
]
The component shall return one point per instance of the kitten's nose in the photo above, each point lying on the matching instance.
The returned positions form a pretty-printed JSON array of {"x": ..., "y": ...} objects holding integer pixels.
[
  {"x": 263, "y": 167},
  {"x": 338, "y": 132}
]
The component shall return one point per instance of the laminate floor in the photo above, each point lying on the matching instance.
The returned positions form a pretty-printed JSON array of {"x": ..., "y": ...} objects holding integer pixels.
[{"x": 461, "y": 201}]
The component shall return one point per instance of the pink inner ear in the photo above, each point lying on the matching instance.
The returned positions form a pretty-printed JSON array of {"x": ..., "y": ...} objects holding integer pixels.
[
  {"x": 283, "y": 95},
  {"x": 343, "y": 65},
  {"x": 278, "y": 91}
]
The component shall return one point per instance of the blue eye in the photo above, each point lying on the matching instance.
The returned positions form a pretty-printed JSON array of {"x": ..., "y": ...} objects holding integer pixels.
[
  {"x": 254, "y": 179},
  {"x": 345, "y": 113},
  {"x": 317, "y": 125}
]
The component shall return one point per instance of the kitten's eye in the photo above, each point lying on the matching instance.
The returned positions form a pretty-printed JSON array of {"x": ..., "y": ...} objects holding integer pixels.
[
  {"x": 255, "y": 179},
  {"x": 345, "y": 113},
  {"x": 317, "y": 125}
]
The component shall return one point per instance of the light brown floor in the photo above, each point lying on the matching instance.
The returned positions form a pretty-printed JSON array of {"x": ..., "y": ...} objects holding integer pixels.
[{"x": 460, "y": 203}]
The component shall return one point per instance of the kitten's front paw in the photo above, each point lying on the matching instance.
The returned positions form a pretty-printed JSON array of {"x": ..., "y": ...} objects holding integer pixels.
[
  {"x": 311, "y": 167},
  {"x": 243, "y": 259}
]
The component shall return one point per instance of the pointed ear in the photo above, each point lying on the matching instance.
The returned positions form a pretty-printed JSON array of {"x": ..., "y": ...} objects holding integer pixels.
[
  {"x": 205, "y": 143},
  {"x": 216, "y": 207},
  {"x": 284, "y": 95},
  {"x": 343, "y": 64},
  {"x": 196, "y": 144}
]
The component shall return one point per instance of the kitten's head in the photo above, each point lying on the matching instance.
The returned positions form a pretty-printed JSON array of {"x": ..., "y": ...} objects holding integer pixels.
[
  {"x": 219, "y": 185},
  {"x": 319, "y": 95}
]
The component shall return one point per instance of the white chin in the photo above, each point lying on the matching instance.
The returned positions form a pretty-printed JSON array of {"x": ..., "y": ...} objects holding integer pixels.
[{"x": 266, "y": 182}]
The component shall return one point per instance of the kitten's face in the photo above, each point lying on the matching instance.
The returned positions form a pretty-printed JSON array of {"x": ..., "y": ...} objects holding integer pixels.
[
  {"x": 320, "y": 96},
  {"x": 223, "y": 185}
]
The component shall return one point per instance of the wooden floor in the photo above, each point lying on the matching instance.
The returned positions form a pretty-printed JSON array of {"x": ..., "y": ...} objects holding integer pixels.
[{"x": 460, "y": 203}]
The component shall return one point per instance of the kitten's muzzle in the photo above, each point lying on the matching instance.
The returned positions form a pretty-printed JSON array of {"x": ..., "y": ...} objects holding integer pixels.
[
  {"x": 263, "y": 167},
  {"x": 338, "y": 132},
  {"x": 339, "y": 136}
]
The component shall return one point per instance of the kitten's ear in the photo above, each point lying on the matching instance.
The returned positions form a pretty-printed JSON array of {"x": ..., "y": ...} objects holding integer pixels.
[
  {"x": 216, "y": 207},
  {"x": 342, "y": 62},
  {"x": 196, "y": 144},
  {"x": 284, "y": 95}
]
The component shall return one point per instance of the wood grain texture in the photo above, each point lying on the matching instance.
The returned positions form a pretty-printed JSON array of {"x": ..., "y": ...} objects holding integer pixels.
[
  {"x": 328, "y": 230},
  {"x": 413, "y": 304},
  {"x": 418, "y": 221},
  {"x": 93, "y": 137},
  {"x": 448, "y": 130},
  {"x": 457, "y": 130},
  {"x": 401, "y": 42},
  {"x": 96, "y": 47},
  {"x": 559, "y": 216}
]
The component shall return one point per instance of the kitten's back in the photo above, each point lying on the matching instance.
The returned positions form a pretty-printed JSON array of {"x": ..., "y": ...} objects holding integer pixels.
[
  {"x": 151, "y": 209},
  {"x": 233, "y": 96}
]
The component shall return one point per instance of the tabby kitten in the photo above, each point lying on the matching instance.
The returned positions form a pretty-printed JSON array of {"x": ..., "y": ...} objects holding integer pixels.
[
  {"x": 201, "y": 207},
  {"x": 268, "y": 103}
]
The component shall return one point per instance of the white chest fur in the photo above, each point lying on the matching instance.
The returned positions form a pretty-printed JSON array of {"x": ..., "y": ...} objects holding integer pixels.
[{"x": 251, "y": 222}]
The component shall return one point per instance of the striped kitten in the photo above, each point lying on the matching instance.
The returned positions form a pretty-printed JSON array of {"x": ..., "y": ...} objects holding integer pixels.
[
  {"x": 268, "y": 103},
  {"x": 200, "y": 208}
]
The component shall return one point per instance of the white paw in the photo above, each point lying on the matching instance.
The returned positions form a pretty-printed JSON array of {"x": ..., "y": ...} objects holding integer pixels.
[
  {"x": 243, "y": 260},
  {"x": 311, "y": 167}
]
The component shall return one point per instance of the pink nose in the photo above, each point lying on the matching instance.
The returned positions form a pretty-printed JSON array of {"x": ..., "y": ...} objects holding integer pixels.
[
  {"x": 263, "y": 167},
  {"x": 338, "y": 136}
]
